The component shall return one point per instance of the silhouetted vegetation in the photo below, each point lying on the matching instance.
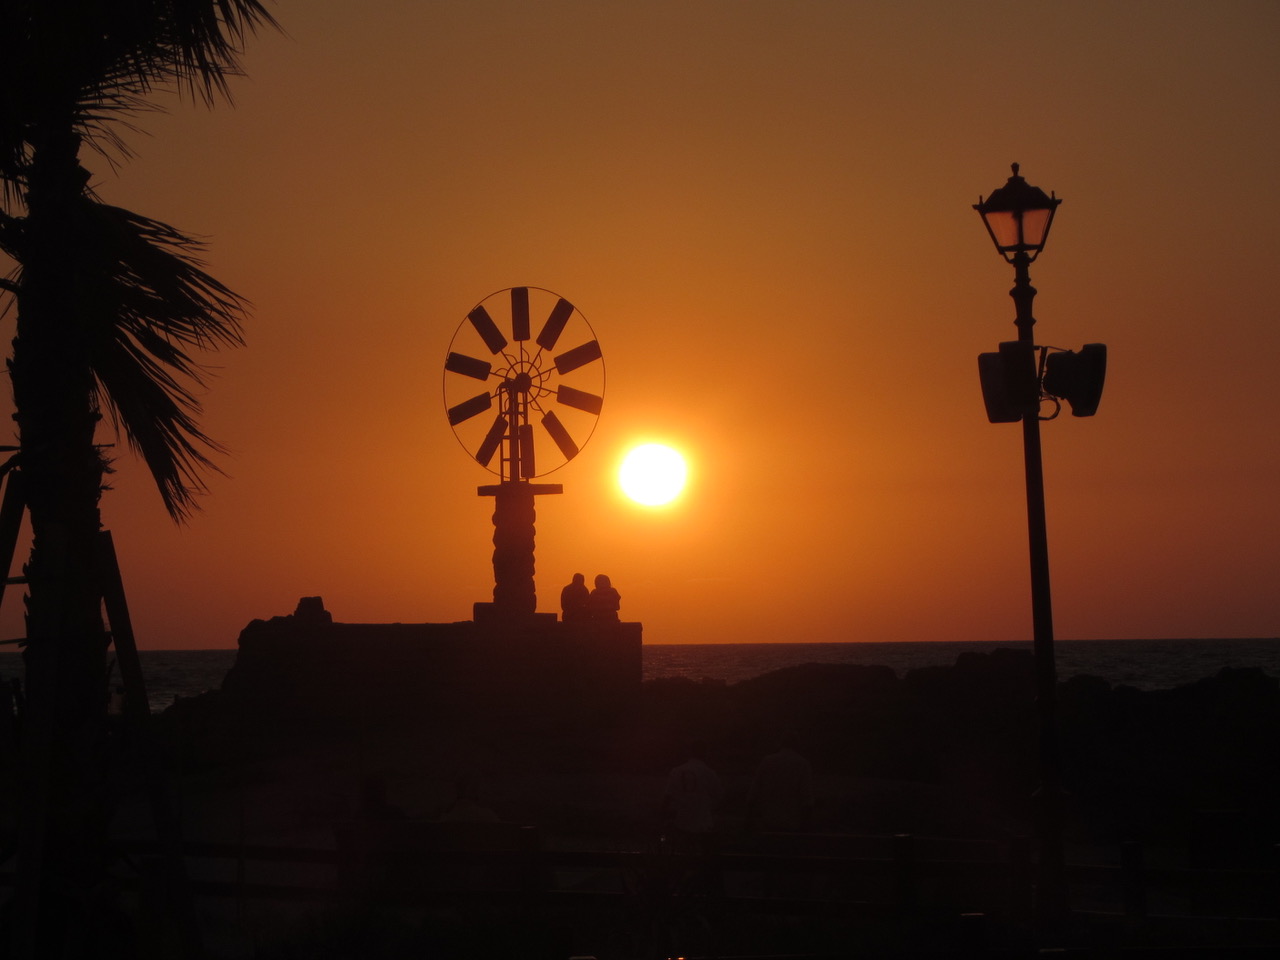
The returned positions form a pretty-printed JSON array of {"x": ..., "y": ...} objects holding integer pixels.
[{"x": 110, "y": 305}]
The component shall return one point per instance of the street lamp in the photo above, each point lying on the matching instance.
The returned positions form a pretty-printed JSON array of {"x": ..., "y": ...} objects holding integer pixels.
[
  {"x": 1018, "y": 217},
  {"x": 1014, "y": 384}
]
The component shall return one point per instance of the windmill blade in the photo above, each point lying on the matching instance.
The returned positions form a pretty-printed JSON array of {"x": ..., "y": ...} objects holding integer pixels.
[
  {"x": 488, "y": 330},
  {"x": 468, "y": 366},
  {"x": 527, "y": 468},
  {"x": 560, "y": 435},
  {"x": 469, "y": 408},
  {"x": 519, "y": 313},
  {"x": 554, "y": 326},
  {"x": 579, "y": 399},
  {"x": 579, "y": 356},
  {"x": 492, "y": 440}
]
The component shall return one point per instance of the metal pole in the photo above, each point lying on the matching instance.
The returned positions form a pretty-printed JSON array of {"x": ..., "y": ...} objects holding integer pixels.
[{"x": 1051, "y": 899}]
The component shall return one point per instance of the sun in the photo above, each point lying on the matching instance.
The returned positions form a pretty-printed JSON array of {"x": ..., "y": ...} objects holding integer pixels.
[{"x": 652, "y": 474}]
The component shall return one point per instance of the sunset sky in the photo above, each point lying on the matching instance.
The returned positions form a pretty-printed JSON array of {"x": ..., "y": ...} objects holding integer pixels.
[{"x": 764, "y": 210}]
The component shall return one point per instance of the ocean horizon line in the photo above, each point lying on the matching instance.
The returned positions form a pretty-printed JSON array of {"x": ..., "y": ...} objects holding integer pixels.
[
  {"x": 1027, "y": 642},
  {"x": 842, "y": 643}
]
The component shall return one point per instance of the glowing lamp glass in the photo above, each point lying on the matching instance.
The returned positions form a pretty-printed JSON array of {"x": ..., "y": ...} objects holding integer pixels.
[{"x": 1018, "y": 217}]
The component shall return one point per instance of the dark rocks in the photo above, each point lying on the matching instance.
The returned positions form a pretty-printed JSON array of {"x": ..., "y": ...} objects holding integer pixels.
[{"x": 1137, "y": 765}]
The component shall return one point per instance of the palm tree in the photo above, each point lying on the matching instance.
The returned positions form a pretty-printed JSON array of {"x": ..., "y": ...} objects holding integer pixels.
[{"x": 110, "y": 307}]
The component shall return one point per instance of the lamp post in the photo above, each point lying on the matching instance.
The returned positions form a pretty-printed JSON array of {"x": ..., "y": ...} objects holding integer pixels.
[{"x": 1018, "y": 217}]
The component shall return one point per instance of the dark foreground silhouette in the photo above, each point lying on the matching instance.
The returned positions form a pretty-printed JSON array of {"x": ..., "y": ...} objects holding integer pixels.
[{"x": 1191, "y": 773}]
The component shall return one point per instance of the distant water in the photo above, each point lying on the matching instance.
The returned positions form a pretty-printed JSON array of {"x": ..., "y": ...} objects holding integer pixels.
[
  {"x": 1145, "y": 664},
  {"x": 168, "y": 673}
]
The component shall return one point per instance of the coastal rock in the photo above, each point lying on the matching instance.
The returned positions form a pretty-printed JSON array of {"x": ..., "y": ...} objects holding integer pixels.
[{"x": 1141, "y": 765}]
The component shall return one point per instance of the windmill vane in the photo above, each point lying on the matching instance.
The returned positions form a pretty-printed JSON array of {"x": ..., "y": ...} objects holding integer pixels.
[{"x": 524, "y": 382}]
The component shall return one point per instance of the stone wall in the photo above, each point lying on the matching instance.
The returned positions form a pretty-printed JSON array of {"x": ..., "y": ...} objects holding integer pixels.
[{"x": 307, "y": 667}]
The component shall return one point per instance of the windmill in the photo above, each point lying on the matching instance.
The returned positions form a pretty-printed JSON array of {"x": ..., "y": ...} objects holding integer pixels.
[{"x": 522, "y": 403}]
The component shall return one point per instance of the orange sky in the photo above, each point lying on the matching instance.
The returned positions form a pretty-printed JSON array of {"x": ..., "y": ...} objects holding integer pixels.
[{"x": 764, "y": 211}]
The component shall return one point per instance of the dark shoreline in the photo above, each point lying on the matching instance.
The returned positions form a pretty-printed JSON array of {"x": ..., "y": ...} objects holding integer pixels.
[
  {"x": 946, "y": 752},
  {"x": 1138, "y": 764}
]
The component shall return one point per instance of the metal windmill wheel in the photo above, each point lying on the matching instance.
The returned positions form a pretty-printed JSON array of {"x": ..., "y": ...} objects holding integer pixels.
[
  {"x": 523, "y": 383},
  {"x": 522, "y": 404}
]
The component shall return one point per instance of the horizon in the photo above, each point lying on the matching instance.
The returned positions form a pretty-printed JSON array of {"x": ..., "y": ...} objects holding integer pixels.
[{"x": 842, "y": 643}]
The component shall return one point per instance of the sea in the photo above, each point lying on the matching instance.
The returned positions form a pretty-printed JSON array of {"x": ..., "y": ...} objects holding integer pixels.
[{"x": 1144, "y": 664}]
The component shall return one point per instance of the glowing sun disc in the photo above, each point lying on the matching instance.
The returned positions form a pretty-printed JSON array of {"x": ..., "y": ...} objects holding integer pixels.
[{"x": 652, "y": 474}]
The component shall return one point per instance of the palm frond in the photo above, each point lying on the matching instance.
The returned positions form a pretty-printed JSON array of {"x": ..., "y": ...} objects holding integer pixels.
[
  {"x": 77, "y": 70},
  {"x": 90, "y": 63},
  {"x": 206, "y": 39},
  {"x": 148, "y": 304}
]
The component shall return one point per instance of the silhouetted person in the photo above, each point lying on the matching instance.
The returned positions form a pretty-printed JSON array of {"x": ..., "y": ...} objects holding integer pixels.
[
  {"x": 689, "y": 805},
  {"x": 574, "y": 599},
  {"x": 781, "y": 795},
  {"x": 604, "y": 601}
]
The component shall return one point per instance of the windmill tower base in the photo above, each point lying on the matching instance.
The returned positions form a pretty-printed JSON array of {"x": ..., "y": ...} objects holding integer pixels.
[{"x": 515, "y": 598}]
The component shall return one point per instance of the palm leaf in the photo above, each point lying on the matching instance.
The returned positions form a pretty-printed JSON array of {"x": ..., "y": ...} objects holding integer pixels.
[
  {"x": 146, "y": 303},
  {"x": 73, "y": 70},
  {"x": 90, "y": 63}
]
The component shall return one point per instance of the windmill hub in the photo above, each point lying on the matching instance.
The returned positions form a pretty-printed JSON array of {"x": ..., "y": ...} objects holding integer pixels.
[{"x": 522, "y": 382}]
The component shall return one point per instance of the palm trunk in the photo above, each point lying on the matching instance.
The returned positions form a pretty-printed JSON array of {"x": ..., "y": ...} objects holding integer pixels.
[{"x": 66, "y": 804}]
